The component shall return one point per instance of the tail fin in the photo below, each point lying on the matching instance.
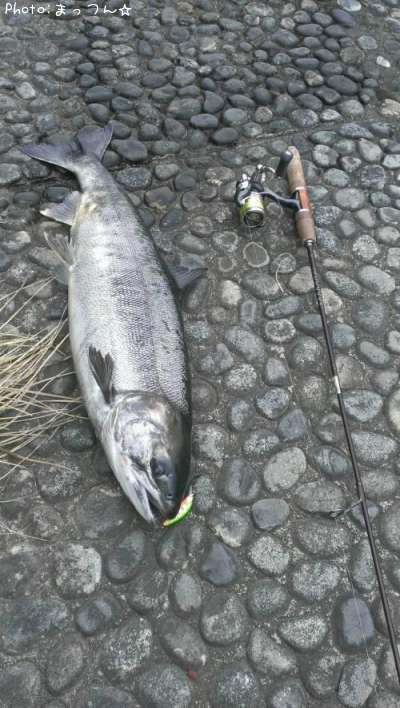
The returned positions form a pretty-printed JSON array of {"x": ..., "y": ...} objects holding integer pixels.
[
  {"x": 94, "y": 141},
  {"x": 90, "y": 141}
]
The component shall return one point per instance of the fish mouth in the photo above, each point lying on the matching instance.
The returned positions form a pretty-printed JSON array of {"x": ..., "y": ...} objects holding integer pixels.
[{"x": 149, "y": 503}]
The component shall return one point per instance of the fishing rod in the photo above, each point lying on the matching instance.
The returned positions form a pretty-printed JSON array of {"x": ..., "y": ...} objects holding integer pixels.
[{"x": 249, "y": 196}]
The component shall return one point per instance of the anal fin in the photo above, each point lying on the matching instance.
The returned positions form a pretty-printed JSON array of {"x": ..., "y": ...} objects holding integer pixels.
[{"x": 64, "y": 212}]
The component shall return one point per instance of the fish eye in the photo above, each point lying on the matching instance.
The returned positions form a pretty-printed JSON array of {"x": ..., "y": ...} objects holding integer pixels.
[
  {"x": 158, "y": 468},
  {"x": 163, "y": 473}
]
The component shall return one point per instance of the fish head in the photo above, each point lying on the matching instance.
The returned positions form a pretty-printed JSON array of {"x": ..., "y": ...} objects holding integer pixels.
[{"x": 149, "y": 452}]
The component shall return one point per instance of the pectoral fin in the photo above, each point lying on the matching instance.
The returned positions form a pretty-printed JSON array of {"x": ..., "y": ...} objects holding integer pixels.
[
  {"x": 102, "y": 368},
  {"x": 63, "y": 249},
  {"x": 64, "y": 212},
  {"x": 184, "y": 276}
]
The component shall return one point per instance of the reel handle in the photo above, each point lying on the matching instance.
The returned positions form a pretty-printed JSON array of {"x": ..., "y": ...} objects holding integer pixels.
[{"x": 297, "y": 187}]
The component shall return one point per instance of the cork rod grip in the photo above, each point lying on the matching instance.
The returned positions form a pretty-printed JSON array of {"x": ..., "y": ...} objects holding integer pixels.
[
  {"x": 295, "y": 174},
  {"x": 297, "y": 184}
]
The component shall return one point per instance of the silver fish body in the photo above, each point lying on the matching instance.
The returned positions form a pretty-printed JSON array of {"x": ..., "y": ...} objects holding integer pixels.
[
  {"x": 121, "y": 301},
  {"x": 126, "y": 335}
]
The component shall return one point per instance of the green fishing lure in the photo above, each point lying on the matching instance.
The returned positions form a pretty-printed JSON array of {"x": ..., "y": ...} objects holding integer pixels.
[{"x": 183, "y": 511}]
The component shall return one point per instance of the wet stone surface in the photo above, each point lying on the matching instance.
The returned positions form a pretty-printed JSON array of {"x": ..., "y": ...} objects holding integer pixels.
[{"x": 255, "y": 600}]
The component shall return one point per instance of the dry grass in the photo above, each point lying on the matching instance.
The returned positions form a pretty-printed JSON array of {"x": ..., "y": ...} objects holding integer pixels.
[{"x": 29, "y": 409}]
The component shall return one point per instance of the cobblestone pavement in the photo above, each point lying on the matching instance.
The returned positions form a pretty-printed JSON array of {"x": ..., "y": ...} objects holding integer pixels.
[{"x": 259, "y": 598}]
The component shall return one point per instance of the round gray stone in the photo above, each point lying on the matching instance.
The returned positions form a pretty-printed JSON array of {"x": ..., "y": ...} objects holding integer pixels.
[
  {"x": 149, "y": 588},
  {"x": 316, "y": 538},
  {"x": 122, "y": 561},
  {"x": 373, "y": 355},
  {"x": 269, "y": 555},
  {"x": 393, "y": 410},
  {"x": 306, "y": 355},
  {"x": 289, "y": 693},
  {"x": 384, "y": 699},
  {"x": 104, "y": 697},
  {"x": 293, "y": 426},
  {"x": 369, "y": 151},
  {"x": 301, "y": 282},
  {"x": 126, "y": 649},
  {"x": 354, "y": 624},
  {"x": 376, "y": 280},
  {"x": 261, "y": 284},
  {"x": 24, "y": 622},
  {"x": 284, "y": 469},
  {"x": 393, "y": 341},
  {"x": 186, "y": 594},
  {"x": 356, "y": 682},
  {"x": 103, "y": 512},
  {"x": 238, "y": 482},
  {"x": 363, "y": 406},
  {"x": 268, "y": 656},
  {"x": 231, "y": 525},
  {"x": 97, "y": 614},
  {"x": 273, "y": 402},
  {"x": 320, "y": 497},
  {"x": 390, "y": 526},
  {"x": 322, "y": 674},
  {"x": 236, "y": 686},
  {"x": 331, "y": 462},
  {"x": 241, "y": 378},
  {"x": 20, "y": 685},
  {"x": 9, "y": 174},
  {"x": 266, "y": 598},
  {"x": 216, "y": 361},
  {"x": 279, "y": 331},
  {"x": 373, "y": 448},
  {"x": 362, "y": 567},
  {"x": 304, "y": 633},
  {"x": 246, "y": 343},
  {"x": 269, "y": 514},
  {"x": 370, "y": 314},
  {"x": 349, "y": 198},
  {"x": 224, "y": 620},
  {"x": 65, "y": 664},
  {"x": 342, "y": 284},
  {"x": 77, "y": 570},
  {"x": 324, "y": 156},
  {"x": 240, "y": 415},
  {"x": 218, "y": 565},
  {"x": 209, "y": 443},
  {"x": 18, "y": 567},
  {"x": 276, "y": 372},
  {"x": 314, "y": 581},
  {"x": 365, "y": 248},
  {"x": 165, "y": 686},
  {"x": 183, "y": 643}
]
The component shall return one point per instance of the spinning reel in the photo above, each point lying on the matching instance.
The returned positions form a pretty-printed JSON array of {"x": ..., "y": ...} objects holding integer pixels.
[{"x": 251, "y": 192}]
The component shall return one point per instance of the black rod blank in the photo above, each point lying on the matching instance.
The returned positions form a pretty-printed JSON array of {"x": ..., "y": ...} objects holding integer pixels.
[{"x": 357, "y": 475}]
